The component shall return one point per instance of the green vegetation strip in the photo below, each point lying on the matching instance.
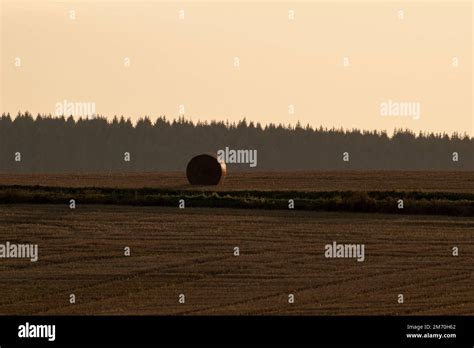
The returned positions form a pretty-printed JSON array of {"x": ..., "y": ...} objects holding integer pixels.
[{"x": 414, "y": 202}]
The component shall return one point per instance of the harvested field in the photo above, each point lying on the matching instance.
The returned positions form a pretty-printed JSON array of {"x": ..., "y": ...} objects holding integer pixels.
[
  {"x": 462, "y": 181},
  {"x": 190, "y": 251}
]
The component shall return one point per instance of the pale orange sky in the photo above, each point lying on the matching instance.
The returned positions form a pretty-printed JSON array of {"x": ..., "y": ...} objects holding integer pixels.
[{"x": 283, "y": 62}]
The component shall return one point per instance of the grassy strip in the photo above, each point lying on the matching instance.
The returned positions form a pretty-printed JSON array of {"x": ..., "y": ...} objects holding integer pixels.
[
  {"x": 416, "y": 195},
  {"x": 431, "y": 203}
]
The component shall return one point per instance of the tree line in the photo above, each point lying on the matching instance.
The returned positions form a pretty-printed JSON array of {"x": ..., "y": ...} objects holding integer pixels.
[{"x": 45, "y": 144}]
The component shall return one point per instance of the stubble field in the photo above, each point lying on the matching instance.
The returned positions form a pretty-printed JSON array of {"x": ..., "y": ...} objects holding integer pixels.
[
  {"x": 191, "y": 252},
  {"x": 458, "y": 181}
]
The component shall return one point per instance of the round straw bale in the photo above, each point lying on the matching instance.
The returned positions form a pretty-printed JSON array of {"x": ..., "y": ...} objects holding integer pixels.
[{"x": 205, "y": 169}]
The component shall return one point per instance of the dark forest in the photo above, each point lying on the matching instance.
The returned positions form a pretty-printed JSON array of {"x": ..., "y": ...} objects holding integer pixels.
[{"x": 61, "y": 144}]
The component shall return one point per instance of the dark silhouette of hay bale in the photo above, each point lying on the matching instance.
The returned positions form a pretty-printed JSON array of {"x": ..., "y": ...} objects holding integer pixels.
[{"x": 205, "y": 169}]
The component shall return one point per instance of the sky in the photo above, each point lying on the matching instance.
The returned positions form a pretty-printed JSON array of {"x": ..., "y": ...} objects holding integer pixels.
[{"x": 367, "y": 65}]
